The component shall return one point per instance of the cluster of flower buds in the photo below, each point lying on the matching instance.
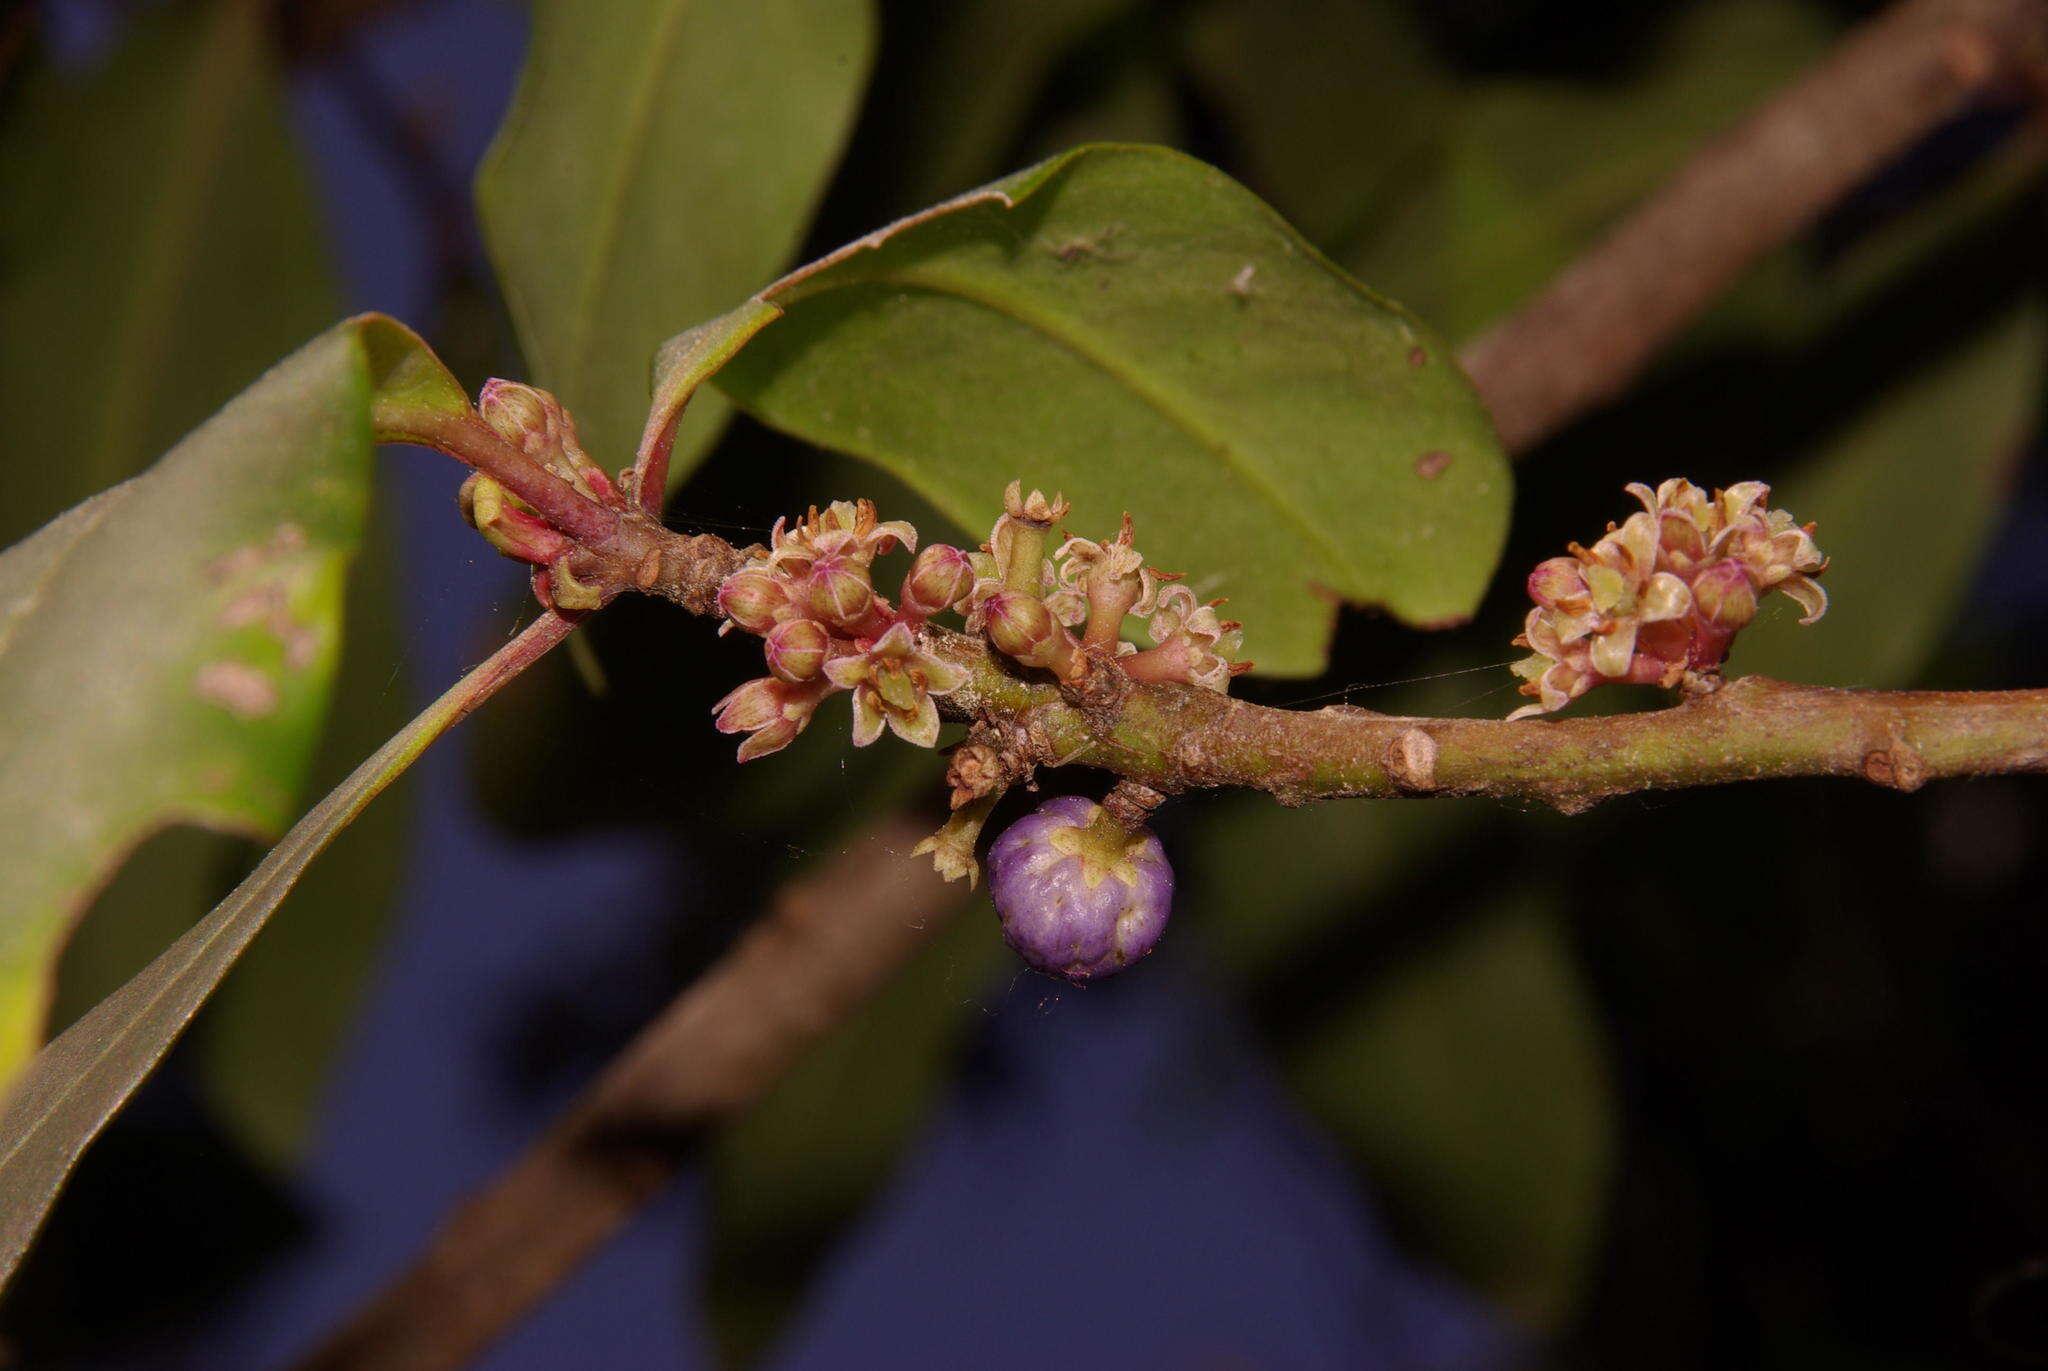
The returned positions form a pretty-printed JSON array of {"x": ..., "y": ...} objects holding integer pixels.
[
  {"x": 1080, "y": 894},
  {"x": 1029, "y": 604},
  {"x": 811, "y": 598},
  {"x": 1664, "y": 593},
  {"x": 538, "y": 425}
]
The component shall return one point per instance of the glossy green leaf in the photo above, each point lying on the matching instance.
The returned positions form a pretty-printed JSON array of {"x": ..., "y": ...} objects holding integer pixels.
[
  {"x": 661, "y": 160},
  {"x": 1132, "y": 327},
  {"x": 1472, "y": 1083}
]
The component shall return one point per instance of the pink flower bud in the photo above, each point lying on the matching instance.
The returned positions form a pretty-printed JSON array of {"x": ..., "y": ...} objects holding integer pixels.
[
  {"x": 1723, "y": 597},
  {"x": 527, "y": 418},
  {"x": 797, "y": 649},
  {"x": 1022, "y": 627},
  {"x": 1560, "y": 583},
  {"x": 754, "y": 599},
  {"x": 839, "y": 592},
  {"x": 771, "y": 712},
  {"x": 939, "y": 579}
]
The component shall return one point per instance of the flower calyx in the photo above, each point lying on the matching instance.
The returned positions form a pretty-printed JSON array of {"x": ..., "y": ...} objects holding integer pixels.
[
  {"x": 952, "y": 847},
  {"x": 1658, "y": 600},
  {"x": 1110, "y": 580},
  {"x": 1194, "y": 644}
]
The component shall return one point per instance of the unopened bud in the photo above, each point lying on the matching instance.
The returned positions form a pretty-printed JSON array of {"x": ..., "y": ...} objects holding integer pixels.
[
  {"x": 1723, "y": 597},
  {"x": 939, "y": 578},
  {"x": 754, "y": 599},
  {"x": 1560, "y": 584},
  {"x": 796, "y": 650},
  {"x": 1022, "y": 627},
  {"x": 528, "y": 418},
  {"x": 839, "y": 592}
]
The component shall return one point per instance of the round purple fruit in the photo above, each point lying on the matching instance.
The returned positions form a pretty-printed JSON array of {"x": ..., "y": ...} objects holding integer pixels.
[{"x": 1080, "y": 894}]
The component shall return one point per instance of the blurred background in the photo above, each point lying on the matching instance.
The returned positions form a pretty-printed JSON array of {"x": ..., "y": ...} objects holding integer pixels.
[{"x": 1748, "y": 1077}]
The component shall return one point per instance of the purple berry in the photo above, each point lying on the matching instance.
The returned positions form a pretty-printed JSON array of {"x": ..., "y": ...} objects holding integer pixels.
[{"x": 1080, "y": 895}]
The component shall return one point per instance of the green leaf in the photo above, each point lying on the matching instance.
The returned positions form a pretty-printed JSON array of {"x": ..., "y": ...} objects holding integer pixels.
[
  {"x": 1473, "y": 1085},
  {"x": 214, "y": 582},
  {"x": 162, "y": 245},
  {"x": 661, "y": 159},
  {"x": 1134, "y": 328},
  {"x": 78, "y": 1082}
]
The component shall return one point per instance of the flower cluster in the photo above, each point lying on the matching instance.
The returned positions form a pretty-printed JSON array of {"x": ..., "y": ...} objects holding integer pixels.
[
  {"x": 811, "y": 599},
  {"x": 1664, "y": 593},
  {"x": 1029, "y": 604}
]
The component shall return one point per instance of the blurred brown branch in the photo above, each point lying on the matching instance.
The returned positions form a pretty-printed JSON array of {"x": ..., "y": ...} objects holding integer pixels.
[
  {"x": 830, "y": 940},
  {"x": 1593, "y": 329}
]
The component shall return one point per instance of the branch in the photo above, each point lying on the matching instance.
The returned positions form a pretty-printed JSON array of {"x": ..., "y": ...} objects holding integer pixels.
[
  {"x": 1176, "y": 738},
  {"x": 1601, "y": 321},
  {"x": 831, "y": 939}
]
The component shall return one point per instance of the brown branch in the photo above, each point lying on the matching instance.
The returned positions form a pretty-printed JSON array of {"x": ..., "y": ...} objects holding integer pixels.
[
  {"x": 1594, "y": 328},
  {"x": 831, "y": 939}
]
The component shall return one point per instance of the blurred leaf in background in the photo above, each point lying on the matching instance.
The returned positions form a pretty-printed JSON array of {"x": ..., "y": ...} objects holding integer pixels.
[{"x": 659, "y": 164}]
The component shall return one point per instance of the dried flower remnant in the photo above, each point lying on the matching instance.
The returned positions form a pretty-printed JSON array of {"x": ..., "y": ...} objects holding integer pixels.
[
  {"x": 1080, "y": 895},
  {"x": 1664, "y": 593}
]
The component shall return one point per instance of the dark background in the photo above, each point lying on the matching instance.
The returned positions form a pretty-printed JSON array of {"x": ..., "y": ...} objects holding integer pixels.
[{"x": 1731, "y": 1078}]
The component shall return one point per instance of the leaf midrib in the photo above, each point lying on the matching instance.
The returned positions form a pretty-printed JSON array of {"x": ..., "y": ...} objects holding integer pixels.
[
  {"x": 1167, "y": 401},
  {"x": 185, "y": 190},
  {"x": 609, "y": 220}
]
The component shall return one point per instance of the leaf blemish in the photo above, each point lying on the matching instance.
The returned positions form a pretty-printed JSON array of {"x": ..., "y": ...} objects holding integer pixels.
[
  {"x": 1430, "y": 465},
  {"x": 242, "y": 690},
  {"x": 1087, "y": 245}
]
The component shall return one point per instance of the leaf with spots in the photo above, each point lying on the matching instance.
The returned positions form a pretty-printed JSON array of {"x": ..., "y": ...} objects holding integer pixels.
[
  {"x": 166, "y": 650},
  {"x": 1132, "y": 327}
]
